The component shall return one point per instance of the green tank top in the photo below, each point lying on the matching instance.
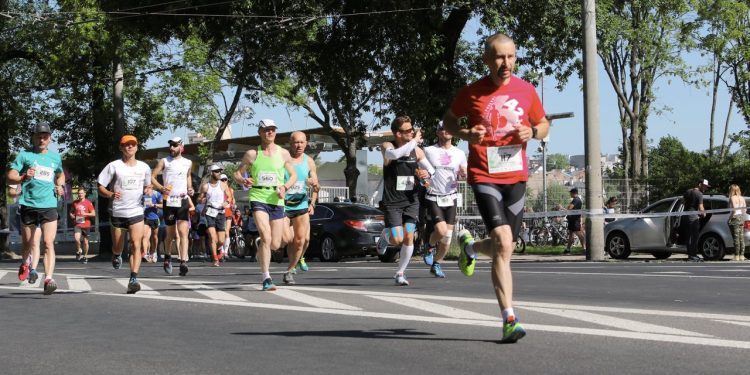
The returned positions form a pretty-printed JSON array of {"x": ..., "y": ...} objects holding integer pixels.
[{"x": 267, "y": 173}]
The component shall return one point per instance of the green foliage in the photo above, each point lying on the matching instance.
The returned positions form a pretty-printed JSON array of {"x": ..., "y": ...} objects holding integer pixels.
[{"x": 557, "y": 161}]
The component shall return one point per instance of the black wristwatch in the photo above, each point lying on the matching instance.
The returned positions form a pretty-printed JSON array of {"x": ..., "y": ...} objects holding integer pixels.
[{"x": 533, "y": 132}]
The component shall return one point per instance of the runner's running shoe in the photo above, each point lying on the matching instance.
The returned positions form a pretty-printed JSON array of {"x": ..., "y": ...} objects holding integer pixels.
[
  {"x": 382, "y": 244},
  {"x": 78, "y": 254},
  {"x": 133, "y": 285},
  {"x": 84, "y": 260},
  {"x": 117, "y": 261},
  {"x": 429, "y": 255},
  {"x": 183, "y": 269},
  {"x": 33, "y": 276},
  {"x": 465, "y": 263},
  {"x": 268, "y": 285},
  {"x": 23, "y": 271},
  {"x": 512, "y": 331},
  {"x": 401, "y": 280},
  {"x": 288, "y": 278},
  {"x": 167, "y": 266},
  {"x": 302, "y": 265},
  {"x": 437, "y": 270},
  {"x": 49, "y": 286}
]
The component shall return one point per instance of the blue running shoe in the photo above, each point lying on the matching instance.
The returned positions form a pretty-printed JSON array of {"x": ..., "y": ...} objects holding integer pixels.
[
  {"x": 429, "y": 254},
  {"x": 437, "y": 270},
  {"x": 167, "y": 266},
  {"x": 268, "y": 285},
  {"x": 512, "y": 331},
  {"x": 117, "y": 261},
  {"x": 33, "y": 276},
  {"x": 133, "y": 285}
]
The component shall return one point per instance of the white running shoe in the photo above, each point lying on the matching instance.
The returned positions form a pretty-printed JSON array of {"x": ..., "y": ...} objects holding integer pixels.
[{"x": 401, "y": 280}]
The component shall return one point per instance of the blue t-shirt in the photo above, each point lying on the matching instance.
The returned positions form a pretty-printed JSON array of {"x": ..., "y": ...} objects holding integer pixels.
[
  {"x": 152, "y": 212},
  {"x": 297, "y": 195},
  {"x": 38, "y": 192}
]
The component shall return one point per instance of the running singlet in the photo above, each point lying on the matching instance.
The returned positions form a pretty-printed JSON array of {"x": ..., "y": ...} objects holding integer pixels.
[
  {"x": 79, "y": 208},
  {"x": 399, "y": 180},
  {"x": 176, "y": 172},
  {"x": 501, "y": 157},
  {"x": 296, "y": 197},
  {"x": 214, "y": 200},
  {"x": 267, "y": 173},
  {"x": 129, "y": 181},
  {"x": 39, "y": 191},
  {"x": 447, "y": 163}
]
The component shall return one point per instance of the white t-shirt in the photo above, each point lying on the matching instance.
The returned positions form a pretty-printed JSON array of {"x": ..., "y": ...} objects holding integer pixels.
[
  {"x": 447, "y": 163},
  {"x": 176, "y": 172},
  {"x": 129, "y": 181}
]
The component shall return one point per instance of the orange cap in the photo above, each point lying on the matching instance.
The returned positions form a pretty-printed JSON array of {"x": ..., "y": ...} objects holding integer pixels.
[{"x": 128, "y": 138}]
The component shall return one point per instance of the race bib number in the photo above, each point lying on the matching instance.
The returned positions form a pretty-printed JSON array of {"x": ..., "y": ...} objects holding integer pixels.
[
  {"x": 504, "y": 159},
  {"x": 80, "y": 219},
  {"x": 267, "y": 179},
  {"x": 445, "y": 201},
  {"x": 147, "y": 202},
  {"x": 212, "y": 212},
  {"x": 297, "y": 188},
  {"x": 130, "y": 183},
  {"x": 44, "y": 174},
  {"x": 174, "y": 201},
  {"x": 404, "y": 183}
]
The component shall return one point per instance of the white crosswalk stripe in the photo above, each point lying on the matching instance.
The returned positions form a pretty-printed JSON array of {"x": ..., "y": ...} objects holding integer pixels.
[
  {"x": 435, "y": 308},
  {"x": 78, "y": 283},
  {"x": 211, "y": 293},
  {"x": 312, "y": 301}
]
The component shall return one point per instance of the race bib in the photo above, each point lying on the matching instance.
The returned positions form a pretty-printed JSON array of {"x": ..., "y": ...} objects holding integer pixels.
[
  {"x": 404, "y": 183},
  {"x": 504, "y": 159},
  {"x": 212, "y": 212},
  {"x": 147, "y": 202},
  {"x": 130, "y": 183},
  {"x": 445, "y": 201},
  {"x": 297, "y": 188},
  {"x": 174, "y": 201},
  {"x": 80, "y": 219},
  {"x": 43, "y": 173},
  {"x": 267, "y": 179}
]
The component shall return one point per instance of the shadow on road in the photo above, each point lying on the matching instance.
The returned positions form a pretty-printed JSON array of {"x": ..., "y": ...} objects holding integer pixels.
[{"x": 399, "y": 334}]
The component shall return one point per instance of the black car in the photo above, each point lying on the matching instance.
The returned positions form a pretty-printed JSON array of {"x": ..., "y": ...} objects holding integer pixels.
[{"x": 344, "y": 229}]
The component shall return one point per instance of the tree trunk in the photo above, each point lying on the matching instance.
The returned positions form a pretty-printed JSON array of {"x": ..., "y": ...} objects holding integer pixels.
[
  {"x": 714, "y": 94},
  {"x": 724, "y": 148},
  {"x": 118, "y": 102}
]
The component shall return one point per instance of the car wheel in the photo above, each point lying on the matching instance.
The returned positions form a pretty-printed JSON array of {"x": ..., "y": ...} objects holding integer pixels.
[
  {"x": 662, "y": 254},
  {"x": 618, "y": 246},
  {"x": 390, "y": 256},
  {"x": 241, "y": 249},
  {"x": 328, "y": 251},
  {"x": 712, "y": 247}
]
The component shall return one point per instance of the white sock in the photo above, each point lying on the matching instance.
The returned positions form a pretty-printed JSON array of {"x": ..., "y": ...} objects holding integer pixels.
[
  {"x": 508, "y": 313},
  {"x": 469, "y": 250},
  {"x": 266, "y": 275},
  {"x": 226, "y": 243},
  {"x": 406, "y": 252}
]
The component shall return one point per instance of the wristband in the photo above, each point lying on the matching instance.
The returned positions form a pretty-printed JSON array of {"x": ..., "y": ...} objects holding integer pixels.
[{"x": 533, "y": 132}]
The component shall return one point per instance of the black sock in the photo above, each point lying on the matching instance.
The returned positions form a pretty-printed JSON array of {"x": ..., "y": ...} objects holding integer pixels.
[
  {"x": 182, "y": 261},
  {"x": 167, "y": 257}
]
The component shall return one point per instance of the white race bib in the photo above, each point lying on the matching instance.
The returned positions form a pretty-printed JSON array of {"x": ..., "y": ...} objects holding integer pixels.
[
  {"x": 131, "y": 183},
  {"x": 212, "y": 212},
  {"x": 404, "y": 183},
  {"x": 174, "y": 201},
  {"x": 80, "y": 219},
  {"x": 504, "y": 159},
  {"x": 267, "y": 179},
  {"x": 445, "y": 201},
  {"x": 147, "y": 202},
  {"x": 297, "y": 188},
  {"x": 43, "y": 173}
]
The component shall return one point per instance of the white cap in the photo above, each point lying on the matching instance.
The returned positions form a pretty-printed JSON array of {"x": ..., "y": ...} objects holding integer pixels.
[
  {"x": 175, "y": 141},
  {"x": 223, "y": 176},
  {"x": 216, "y": 167},
  {"x": 267, "y": 123},
  {"x": 705, "y": 182}
]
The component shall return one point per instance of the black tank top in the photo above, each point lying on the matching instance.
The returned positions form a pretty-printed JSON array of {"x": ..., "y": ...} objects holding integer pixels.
[{"x": 399, "y": 180}]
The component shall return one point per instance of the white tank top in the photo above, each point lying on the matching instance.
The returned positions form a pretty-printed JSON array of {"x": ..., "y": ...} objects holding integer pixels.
[
  {"x": 175, "y": 173},
  {"x": 737, "y": 204},
  {"x": 215, "y": 196}
]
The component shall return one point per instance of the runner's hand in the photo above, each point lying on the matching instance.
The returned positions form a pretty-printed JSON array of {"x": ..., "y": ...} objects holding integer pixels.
[
  {"x": 29, "y": 174},
  {"x": 476, "y": 133},
  {"x": 117, "y": 195},
  {"x": 524, "y": 132},
  {"x": 248, "y": 182}
]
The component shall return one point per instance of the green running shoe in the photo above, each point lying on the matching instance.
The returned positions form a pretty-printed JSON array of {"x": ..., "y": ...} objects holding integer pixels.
[
  {"x": 302, "y": 265},
  {"x": 512, "y": 332},
  {"x": 465, "y": 263}
]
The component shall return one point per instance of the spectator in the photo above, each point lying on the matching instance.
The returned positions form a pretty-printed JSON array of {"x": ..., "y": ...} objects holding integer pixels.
[
  {"x": 737, "y": 221},
  {"x": 574, "y": 221},
  {"x": 609, "y": 208}
]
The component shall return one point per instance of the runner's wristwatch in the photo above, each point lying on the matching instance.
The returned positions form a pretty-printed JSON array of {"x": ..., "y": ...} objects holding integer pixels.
[{"x": 533, "y": 132}]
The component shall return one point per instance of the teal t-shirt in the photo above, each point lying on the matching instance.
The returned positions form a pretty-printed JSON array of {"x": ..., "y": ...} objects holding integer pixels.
[
  {"x": 38, "y": 192},
  {"x": 297, "y": 195}
]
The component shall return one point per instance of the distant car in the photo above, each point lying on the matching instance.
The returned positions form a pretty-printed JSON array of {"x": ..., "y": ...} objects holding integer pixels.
[
  {"x": 343, "y": 229},
  {"x": 661, "y": 236}
]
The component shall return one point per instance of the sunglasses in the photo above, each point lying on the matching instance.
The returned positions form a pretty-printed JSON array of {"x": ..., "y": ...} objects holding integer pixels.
[
  {"x": 224, "y": 179},
  {"x": 219, "y": 171},
  {"x": 406, "y": 131}
]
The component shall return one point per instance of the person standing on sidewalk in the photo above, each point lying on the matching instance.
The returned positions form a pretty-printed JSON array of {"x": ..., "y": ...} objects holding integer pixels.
[
  {"x": 125, "y": 181},
  {"x": 503, "y": 113},
  {"x": 693, "y": 201},
  {"x": 82, "y": 210},
  {"x": 737, "y": 221},
  {"x": 403, "y": 164},
  {"x": 441, "y": 196},
  {"x": 40, "y": 174},
  {"x": 574, "y": 222}
]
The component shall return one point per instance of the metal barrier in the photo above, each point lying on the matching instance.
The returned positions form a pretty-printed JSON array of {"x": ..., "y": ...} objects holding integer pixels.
[{"x": 333, "y": 194}]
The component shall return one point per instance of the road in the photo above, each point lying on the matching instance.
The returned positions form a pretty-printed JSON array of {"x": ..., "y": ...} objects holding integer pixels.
[{"x": 635, "y": 317}]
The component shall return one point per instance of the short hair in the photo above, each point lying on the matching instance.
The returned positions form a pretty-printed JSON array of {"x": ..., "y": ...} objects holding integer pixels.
[
  {"x": 495, "y": 38},
  {"x": 398, "y": 121}
]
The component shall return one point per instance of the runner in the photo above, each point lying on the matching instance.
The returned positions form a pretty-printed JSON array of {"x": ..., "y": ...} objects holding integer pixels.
[
  {"x": 299, "y": 204},
  {"x": 177, "y": 188},
  {"x": 503, "y": 113},
  {"x": 125, "y": 182},
  {"x": 153, "y": 204},
  {"x": 82, "y": 210},
  {"x": 400, "y": 198},
  {"x": 441, "y": 197},
  {"x": 229, "y": 196},
  {"x": 213, "y": 196},
  {"x": 268, "y": 189},
  {"x": 39, "y": 171}
]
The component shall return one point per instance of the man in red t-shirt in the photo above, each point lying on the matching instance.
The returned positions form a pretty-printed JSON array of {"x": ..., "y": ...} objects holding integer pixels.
[
  {"x": 81, "y": 212},
  {"x": 502, "y": 112}
]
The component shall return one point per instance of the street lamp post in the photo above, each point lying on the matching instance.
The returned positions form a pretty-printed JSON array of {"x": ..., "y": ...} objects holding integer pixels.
[{"x": 550, "y": 117}]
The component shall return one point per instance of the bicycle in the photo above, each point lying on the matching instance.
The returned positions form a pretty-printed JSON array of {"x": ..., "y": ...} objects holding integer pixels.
[{"x": 236, "y": 242}]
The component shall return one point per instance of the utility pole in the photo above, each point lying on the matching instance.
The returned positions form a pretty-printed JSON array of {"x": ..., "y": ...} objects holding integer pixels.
[{"x": 594, "y": 225}]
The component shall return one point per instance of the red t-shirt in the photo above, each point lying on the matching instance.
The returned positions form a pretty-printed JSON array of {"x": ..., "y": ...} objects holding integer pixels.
[
  {"x": 501, "y": 156},
  {"x": 79, "y": 208}
]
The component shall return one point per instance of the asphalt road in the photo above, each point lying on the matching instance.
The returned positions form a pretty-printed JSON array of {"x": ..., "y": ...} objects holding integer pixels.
[{"x": 634, "y": 317}]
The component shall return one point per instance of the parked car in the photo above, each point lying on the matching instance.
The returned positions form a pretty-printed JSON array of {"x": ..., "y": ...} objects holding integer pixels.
[
  {"x": 661, "y": 236},
  {"x": 344, "y": 229}
]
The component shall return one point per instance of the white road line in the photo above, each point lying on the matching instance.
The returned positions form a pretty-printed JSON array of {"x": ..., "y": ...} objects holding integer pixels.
[
  {"x": 633, "y": 274},
  {"x": 671, "y": 272},
  {"x": 145, "y": 289},
  {"x": 78, "y": 283},
  {"x": 624, "y": 324},
  {"x": 213, "y": 293},
  {"x": 2, "y": 274},
  {"x": 438, "y": 309},
  {"x": 322, "y": 303},
  {"x": 744, "y": 324}
]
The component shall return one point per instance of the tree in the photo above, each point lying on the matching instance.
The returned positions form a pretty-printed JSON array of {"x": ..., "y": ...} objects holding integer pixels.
[{"x": 557, "y": 161}]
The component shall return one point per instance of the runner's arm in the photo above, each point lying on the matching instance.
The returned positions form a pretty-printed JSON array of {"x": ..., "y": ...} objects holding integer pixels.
[
  {"x": 247, "y": 161},
  {"x": 391, "y": 153},
  {"x": 157, "y": 171}
]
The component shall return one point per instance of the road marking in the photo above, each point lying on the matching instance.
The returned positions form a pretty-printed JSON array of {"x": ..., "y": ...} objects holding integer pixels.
[
  {"x": 436, "y": 308},
  {"x": 744, "y": 324},
  {"x": 309, "y": 300},
  {"x": 671, "y": 272},
  {"x": 633, "y": 274},
  {"x": 212, "y": 293},
  {"x": 78, "y": 283},
  {"x": 145, "y": 289},
  {"x": 2, "y": 274},
  {"x": 605, "y": 320}
]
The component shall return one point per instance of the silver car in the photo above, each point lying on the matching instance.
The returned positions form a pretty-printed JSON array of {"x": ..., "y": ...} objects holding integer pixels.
[{"x": 660, "y": 235}]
